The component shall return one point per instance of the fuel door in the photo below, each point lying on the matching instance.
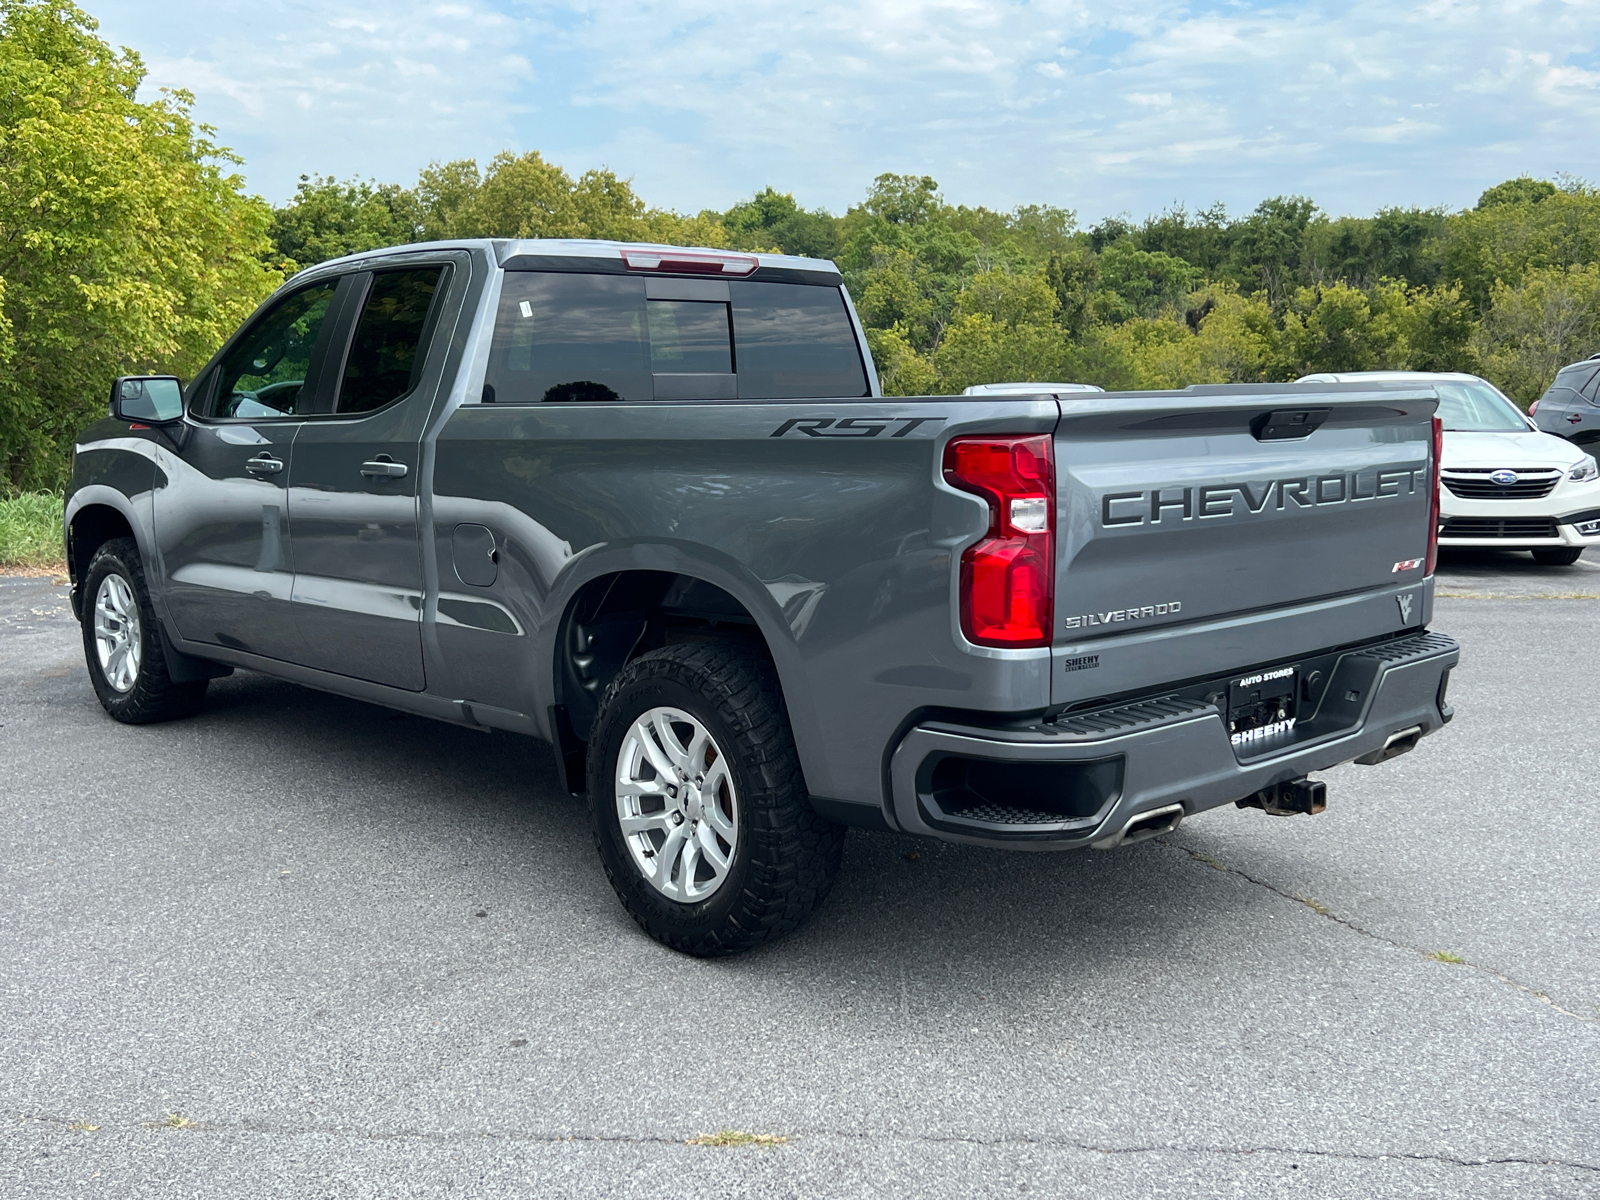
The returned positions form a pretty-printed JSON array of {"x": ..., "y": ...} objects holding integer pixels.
[{"x": 477, "y": 559}]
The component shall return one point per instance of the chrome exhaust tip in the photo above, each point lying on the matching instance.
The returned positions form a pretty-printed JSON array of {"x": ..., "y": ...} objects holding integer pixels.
[{"x": 1141, "y": 826}]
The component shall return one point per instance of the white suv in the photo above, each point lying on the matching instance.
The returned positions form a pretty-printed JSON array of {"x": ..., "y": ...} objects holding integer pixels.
[{"x": 1507, "y": 485}]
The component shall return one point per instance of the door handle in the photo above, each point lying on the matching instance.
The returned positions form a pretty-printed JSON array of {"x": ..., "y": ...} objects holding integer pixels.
[
  {"x": 263, "y": 464},
  {"x": 1575, "y": 418},
  {"x": 383, "y": 467}
]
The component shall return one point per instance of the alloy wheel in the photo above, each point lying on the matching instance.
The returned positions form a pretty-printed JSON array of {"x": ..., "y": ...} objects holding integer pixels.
[
  {"x": 676, "y": 804},
  {"x": 117, "y": 636}
]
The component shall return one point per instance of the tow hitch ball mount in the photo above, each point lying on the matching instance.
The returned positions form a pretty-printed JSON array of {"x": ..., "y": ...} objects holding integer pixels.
[{"x": 1289, "y": 797}]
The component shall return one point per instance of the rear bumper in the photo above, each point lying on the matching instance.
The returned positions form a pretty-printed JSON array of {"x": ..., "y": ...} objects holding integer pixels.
[{"x": 1114, "y": 764}]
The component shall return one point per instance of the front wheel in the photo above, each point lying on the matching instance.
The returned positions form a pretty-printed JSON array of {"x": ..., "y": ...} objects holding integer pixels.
[
  {"x": 122, "y": 642},
  {"x": 1563, "y": 557},
  {"x": 699, "y": 806}
]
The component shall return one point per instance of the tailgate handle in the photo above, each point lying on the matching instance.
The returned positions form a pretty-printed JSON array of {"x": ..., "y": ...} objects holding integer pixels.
[{"x": 1286, "y": 424}]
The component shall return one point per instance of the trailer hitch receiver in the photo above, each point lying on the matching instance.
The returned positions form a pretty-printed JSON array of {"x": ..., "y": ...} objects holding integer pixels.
[{"x": 1289, "y": 797}]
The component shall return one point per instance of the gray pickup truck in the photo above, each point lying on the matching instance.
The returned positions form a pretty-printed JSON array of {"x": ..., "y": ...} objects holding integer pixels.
[{"x": 649, "y": 505}]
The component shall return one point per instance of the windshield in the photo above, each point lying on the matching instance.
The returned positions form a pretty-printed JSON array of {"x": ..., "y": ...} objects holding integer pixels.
[{"x": 1477, "y": 408}]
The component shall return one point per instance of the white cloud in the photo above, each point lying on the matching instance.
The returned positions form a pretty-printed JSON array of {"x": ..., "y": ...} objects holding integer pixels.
[
  {"x": 1110, "y": 105},
  {"x": 337, "y": 87}
]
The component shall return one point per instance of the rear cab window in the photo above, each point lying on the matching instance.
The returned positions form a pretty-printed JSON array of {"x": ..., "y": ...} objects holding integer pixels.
[
  {"x": 566, "y": 337},
  {"x": 387, "y": 354}
]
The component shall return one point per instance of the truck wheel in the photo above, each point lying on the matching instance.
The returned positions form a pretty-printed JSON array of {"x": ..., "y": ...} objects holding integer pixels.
[
  {"x": 1564, "y": 557},
  {"x": 122, "y": 642},
  {"x": 700, "y": 810}
]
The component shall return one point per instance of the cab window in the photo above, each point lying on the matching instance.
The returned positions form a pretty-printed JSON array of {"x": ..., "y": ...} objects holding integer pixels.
[
  {"x": 264, "y": 375},
  {"x": 795, "y": 340},
  {"x": 387, "y": 353},
  {"x": 569, "y": 337}
]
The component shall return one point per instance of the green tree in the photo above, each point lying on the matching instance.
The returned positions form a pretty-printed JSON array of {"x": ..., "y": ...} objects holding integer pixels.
[
  {"x": 898, "y": 292},
  {"x": 329, "y": 219},
  {"x": 1342, "y": 328},
  {"x": 1397, "y": 243},
  {"x": 1522, "y": 228},
  {"x": 1522, "y": 190},
  {"x": 1551, "y": 317},
  {"x": 901, "y": 370},
  {"x": 1202, "y": 240},
  {"x": 771, "y": 220},
  {"x": 126, "y": 241},
  {"x": 443, "y": 193},
  {"x": 1141, "y": 283},
  {"x": 1267, "y": 247},
  {"x": 1074, "y": 275}
]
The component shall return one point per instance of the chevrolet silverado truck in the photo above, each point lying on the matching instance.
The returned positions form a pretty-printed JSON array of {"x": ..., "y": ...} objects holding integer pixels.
[{"x": 649, "y": 505}]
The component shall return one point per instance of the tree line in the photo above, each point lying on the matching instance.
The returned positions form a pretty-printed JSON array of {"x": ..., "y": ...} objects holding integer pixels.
[{"x": 128, "y": 242}]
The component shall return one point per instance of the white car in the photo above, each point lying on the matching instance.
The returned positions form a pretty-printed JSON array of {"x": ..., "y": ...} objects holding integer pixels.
[
  {"x": 1057, "y": 390},
  {"x": 1507, "y": 485}
]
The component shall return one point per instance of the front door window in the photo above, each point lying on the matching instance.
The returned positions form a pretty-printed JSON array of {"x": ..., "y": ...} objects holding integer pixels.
[{"x": 264, "y": 375}]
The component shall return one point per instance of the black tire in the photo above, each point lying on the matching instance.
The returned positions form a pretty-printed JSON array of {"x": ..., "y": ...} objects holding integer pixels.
[
  {"x": 786, "y": 856},
  {"x": 1563, "y": 557},
  {"x": 152, "y": 695}
]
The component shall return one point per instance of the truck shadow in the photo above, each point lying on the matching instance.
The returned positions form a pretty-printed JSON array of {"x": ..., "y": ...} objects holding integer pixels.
[{"x": 911, "y": 924}]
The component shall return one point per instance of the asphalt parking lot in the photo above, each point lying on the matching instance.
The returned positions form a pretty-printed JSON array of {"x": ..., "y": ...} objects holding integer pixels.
[{"x": 302, "y": 946}]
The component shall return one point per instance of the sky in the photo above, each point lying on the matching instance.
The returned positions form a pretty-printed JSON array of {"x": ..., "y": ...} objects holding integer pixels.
[{"x": 1116, "y": 107}]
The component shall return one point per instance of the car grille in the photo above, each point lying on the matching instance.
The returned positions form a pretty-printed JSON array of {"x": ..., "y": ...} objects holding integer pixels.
[
  {"x": 1492, "y": 527},
  {"x": 1473, "y": 483}
]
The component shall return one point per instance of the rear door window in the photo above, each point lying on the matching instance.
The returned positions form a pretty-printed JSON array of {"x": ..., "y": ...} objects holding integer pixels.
[
  {"x": 386, "y": 356},
  {"x": 1587, "y": 386},
  {"x": 794, "y": 341}
]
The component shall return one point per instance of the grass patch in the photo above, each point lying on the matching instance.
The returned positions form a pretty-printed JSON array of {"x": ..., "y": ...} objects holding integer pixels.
[
  {"x": 1445, "y": 956},
  {"x": 735, "y": 1137},
  {"x": 30, "y": 531}
]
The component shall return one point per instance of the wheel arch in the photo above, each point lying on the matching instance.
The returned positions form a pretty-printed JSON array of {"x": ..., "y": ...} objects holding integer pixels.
[
  {"x": 94, "y": 516},
  {"x": 618, "y": 603}
]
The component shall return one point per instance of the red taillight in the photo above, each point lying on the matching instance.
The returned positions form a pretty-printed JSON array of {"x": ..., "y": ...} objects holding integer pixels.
[
  {"x": 1433, "y": 504},
  {"x": 1533, "y": 408},
  {"x": 689, "y": 262},
  {"x": 1008, "y": 578}
]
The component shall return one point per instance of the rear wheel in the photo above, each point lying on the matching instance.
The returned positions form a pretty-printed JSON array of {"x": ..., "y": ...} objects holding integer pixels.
[
  {"x": 700, "y": 810},
  {"x": 122, "y": 642},
  {"x": 1563, "y": 557}
]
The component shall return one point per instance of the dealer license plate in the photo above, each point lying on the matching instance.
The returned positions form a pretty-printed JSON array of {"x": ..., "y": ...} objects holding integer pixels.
[{"x": 1261, "y": 705}]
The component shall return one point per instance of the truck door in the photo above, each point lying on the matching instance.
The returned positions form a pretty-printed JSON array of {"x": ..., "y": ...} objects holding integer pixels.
[
  {"x": 221, "y": 518},
  {"x": 353, "y": 489}
]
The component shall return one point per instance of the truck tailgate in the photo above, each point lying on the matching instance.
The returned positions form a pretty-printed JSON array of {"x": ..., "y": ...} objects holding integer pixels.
[{"x": 1207, "y": 530}]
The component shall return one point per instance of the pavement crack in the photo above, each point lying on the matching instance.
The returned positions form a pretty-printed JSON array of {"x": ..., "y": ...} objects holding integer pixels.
[
  {"x": 535, "y": 1137},
  {"x": 1327, "y": 914}
]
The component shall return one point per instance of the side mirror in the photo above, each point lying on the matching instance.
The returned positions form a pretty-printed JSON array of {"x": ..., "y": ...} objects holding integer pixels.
[{"x": 148, "y": 399}]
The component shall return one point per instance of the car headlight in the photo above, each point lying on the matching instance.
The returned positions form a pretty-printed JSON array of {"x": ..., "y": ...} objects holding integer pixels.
[{"x": 1587, "y": 469}]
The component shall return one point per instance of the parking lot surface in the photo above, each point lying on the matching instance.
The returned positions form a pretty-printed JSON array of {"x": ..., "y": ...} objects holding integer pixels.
[{"x": 303, "y": 946}]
